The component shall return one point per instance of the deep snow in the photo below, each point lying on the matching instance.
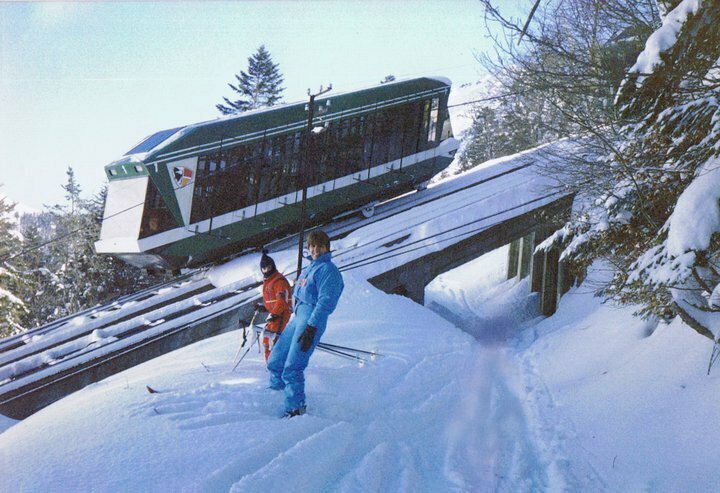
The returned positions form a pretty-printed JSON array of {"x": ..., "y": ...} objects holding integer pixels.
[{"x": 590, "y": 399}]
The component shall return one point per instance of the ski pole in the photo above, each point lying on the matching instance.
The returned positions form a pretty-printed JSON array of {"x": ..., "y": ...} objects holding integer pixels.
[
  {"x": 242, "y": 344},
  {"x": 244, "y": 341},
  {"x": 342, "y": 354},
  {"x": 346, "y": 348},
  {"x": 245, "y": 353}
]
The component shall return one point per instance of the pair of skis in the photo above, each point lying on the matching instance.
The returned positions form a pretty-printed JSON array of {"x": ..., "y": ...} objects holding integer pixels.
[{"x": 359, "y": 355}]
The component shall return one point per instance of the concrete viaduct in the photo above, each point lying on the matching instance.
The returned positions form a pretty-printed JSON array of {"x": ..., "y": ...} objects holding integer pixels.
[{"x": 523, "y": 233}]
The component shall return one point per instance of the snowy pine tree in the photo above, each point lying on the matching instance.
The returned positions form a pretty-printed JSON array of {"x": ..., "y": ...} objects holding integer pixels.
[
  {"x": 63, "y": 272},
  {"x": 12, "y": 282},
  {"x": 67, "y": 254},
  {"x": 671, "y": 99},
  {"x": 259, "y": 87},
  {"x": 506, "y": 126},
  {"x": 72, "y": 190},
  {"x": 660, "y": 222},
  {"x": 34, "y": 263}
]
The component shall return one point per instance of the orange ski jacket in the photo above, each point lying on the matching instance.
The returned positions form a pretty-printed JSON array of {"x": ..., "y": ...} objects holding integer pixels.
[{"x": 276, "y": 298}]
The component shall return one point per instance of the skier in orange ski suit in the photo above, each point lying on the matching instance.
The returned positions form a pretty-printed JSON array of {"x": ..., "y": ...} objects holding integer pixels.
[{"x": 276, "y": 298}]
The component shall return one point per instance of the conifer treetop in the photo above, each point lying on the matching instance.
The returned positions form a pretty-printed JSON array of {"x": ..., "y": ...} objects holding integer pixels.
[{"x": 259, "y": 87}]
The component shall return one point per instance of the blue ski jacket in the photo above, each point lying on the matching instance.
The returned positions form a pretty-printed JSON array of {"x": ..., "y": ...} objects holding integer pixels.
[{"x": 319, "y": 286}]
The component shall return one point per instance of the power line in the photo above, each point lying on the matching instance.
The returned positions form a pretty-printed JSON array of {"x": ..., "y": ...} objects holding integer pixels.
[
  {"x": 481, "y": 100},
  {"x": 36, "y": 247}
]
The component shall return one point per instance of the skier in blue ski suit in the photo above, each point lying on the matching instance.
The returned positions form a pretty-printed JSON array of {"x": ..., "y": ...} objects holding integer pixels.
[{"x": 315, "y": 296}]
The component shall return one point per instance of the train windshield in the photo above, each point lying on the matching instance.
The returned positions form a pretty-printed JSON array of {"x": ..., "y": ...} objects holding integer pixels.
[{"x": 156, "y": 216}]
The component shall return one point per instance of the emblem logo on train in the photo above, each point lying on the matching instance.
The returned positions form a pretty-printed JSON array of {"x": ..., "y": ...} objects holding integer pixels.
[{"x": 182, "y": 175}]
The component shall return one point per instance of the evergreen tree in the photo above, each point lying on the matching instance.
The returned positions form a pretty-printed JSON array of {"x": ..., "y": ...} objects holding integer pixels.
[
  {"x": 72, "y": 190},
  {"x": 259, "y": 87},
  {"x": 34, "y": 266},
  {"x": 660, "y": 221},
  {"x": 673, "y": 151},
  {"x": 72, "y": 276},
  {"x": 481, "y": 146},
  {"x": 77, "y": 277},
  {"x": 12, "y": 282},
  {"x": 68, "y": 255},
  {"x": 63, "y": 272},
  {"x": 48, "y": 266},
  {"x": 510, "y": 125}
]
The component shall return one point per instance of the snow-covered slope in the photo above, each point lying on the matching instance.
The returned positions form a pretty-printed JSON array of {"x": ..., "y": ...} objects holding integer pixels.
[
  {"x": 212, "y": 430},
  {"x": 590, "y": 399},
  {"x": 634, "y": 397}
]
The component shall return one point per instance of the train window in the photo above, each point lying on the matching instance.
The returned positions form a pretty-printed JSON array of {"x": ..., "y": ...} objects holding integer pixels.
[
  {"x": 395, "y": 134},
  {"x": 294, "y": 157},
  {"x": 447, "y": 132},
  {"x": 368, "y": 132},
  {"x": 296, "y": 143},
  {"x": 425, "y": 125},
  {"x": 269, "y": 168},
  {"x": 380, "y": 137},
  {"x": 156, "y": 216},
  {"x": 240, "y": 177},
  {"x": 411, "y": 128},
  {"x": 432, "y": 128}
]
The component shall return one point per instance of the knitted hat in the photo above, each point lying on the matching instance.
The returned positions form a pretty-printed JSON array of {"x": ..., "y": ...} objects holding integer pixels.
[{"x": 267, "y": 261}]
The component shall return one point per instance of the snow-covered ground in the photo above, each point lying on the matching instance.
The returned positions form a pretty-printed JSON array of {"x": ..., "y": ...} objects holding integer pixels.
[{"x": 589, "y": 399}]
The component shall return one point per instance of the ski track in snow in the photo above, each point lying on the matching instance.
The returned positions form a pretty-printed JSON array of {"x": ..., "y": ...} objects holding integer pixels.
[
  {"x": 570, "y": 467},
  {"x": 479, "y": 422},
  {"x": 493, "y": 439},
  {"x": 363, "y": 442}
]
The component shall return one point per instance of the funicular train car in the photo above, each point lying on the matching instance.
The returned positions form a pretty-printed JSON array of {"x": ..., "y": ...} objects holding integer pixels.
[{"x": 194, "y": 194}]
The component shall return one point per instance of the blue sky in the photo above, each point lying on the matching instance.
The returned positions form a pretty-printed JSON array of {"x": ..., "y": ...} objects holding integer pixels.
[{"x": 82, "y": 82}]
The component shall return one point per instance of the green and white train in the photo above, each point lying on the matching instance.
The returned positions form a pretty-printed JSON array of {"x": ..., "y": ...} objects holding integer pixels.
[{"x": 191, "y": 195}]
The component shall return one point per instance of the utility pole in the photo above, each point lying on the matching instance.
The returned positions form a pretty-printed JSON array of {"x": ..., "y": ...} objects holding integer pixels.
[{"x": 302, "y": 173}]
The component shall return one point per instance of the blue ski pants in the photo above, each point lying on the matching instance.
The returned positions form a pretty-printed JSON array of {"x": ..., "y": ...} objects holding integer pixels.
[{"x": 287, "y": 362}]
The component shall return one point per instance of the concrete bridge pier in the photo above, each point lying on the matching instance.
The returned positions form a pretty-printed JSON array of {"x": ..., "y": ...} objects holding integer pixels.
[
  {"x": 520, "y": 256},
  {"x": 548, "y": 276}
]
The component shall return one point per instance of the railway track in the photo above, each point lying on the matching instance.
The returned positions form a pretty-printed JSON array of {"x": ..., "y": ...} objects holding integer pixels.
[{"x": 103, "y": 345}]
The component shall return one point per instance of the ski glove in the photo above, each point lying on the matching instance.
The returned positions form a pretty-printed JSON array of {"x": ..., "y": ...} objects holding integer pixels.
[{"x": 306, "y": 338}]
